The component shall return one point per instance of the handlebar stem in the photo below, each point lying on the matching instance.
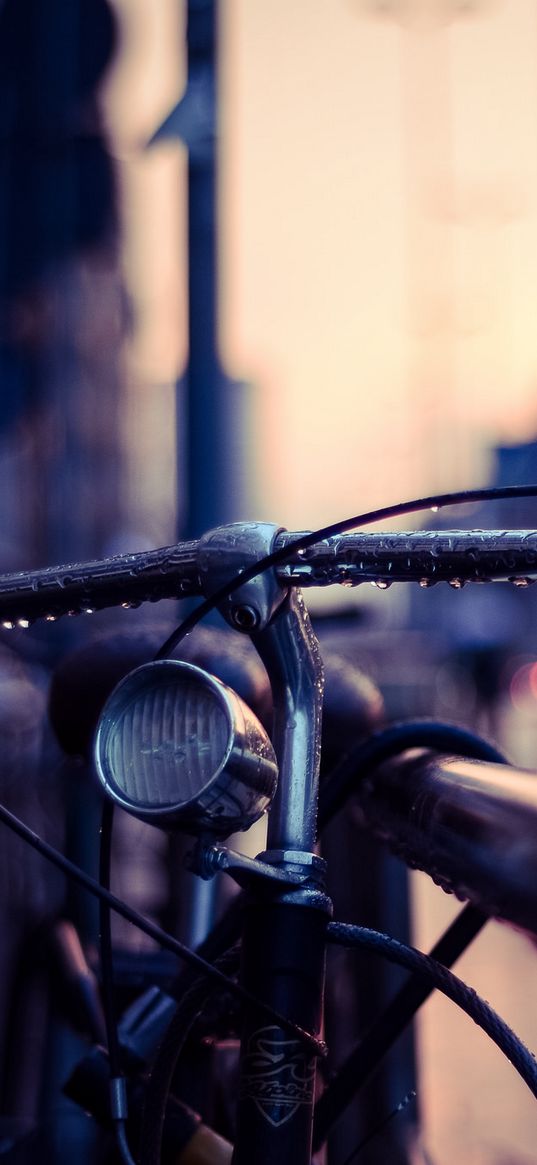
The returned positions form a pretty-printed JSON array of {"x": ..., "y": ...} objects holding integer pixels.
[
  {"x": 289, "y": 650},
  {"x": 280, "y": 629}
]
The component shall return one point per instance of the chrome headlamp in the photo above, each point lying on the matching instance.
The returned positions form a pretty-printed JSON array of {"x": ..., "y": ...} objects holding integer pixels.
[{"x": 177, "y": 747}]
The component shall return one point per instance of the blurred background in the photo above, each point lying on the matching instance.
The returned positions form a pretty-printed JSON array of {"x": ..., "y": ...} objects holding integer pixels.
[
  {"x": 376, "y": 202},
  {"x": 297, "y": 287}
]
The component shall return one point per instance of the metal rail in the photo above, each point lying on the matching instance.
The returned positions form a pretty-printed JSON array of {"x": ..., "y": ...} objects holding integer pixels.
[
  {"x": 426, "y": 557},
  {"x": 471, "y": 825}
]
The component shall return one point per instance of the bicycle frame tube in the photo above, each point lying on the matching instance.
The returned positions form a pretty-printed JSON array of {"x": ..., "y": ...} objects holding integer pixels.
[{"x": 283, "y": 962}]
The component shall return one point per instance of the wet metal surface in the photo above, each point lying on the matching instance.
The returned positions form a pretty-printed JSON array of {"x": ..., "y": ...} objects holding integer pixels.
[{"x": 426, "y": 557}]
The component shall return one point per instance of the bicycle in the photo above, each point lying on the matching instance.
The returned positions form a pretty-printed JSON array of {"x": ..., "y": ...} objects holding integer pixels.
[{"x": 250, "y": 572}]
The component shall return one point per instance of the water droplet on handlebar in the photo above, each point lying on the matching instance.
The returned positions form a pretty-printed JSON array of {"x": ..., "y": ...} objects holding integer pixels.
[
  {"x": 381, "y": 584},
  {"x": 520, "y": 582},
  {"x": 50, "y": 618},
  {"x": 425, "y": 582},
  {"x": 456, "y": 583},
  {"x": 8, "y": 625},
  {"x": 23, "y": 623},
  {"x": 435, "y": 509},
  {"x": 89, "y": 610}
]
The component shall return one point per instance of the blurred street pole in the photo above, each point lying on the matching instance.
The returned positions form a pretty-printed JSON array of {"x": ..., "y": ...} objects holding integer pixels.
[{"x": 210, "y": 406}]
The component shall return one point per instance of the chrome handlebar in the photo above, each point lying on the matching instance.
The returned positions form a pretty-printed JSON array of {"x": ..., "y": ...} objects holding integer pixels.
[{"x": 423, "y": 556}]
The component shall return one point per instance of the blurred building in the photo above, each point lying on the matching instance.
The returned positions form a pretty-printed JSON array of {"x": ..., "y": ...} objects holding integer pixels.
[{"x": 62, "y": 305}]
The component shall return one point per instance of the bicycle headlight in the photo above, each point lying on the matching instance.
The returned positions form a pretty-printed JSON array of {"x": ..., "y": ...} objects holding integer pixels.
[{"x": 176, "y": 746}]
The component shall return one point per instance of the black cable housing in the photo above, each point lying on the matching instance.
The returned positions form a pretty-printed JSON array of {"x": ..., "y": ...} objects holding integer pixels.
[
  {"x": 107, "y": 978},
  {"x": 377, "y": 1041},
  {"x": 105, "y": 939},
  {"x": 344, "y": 934}
]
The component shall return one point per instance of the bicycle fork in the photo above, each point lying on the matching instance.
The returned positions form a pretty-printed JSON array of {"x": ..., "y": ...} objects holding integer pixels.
[{"x": 283, "y": 953}]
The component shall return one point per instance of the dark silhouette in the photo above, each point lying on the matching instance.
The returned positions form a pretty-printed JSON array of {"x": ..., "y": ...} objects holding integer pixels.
[{"x": 58, "y": 260}]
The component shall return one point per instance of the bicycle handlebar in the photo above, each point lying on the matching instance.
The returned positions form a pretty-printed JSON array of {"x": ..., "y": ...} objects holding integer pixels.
[{"x": 424, "y": 556}]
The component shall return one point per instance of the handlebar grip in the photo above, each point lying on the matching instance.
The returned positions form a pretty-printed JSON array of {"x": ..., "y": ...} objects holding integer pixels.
[{"x": 124, "y": 580}]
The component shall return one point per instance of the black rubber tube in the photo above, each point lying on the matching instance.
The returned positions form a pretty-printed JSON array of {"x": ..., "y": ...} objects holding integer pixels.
[
  {"x": 445, "y": 981},
  {"x": 377, "y": 1041}
]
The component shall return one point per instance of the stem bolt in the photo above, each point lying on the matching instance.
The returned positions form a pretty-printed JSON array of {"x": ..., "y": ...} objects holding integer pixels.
[{"x": 244, "y": 618}]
